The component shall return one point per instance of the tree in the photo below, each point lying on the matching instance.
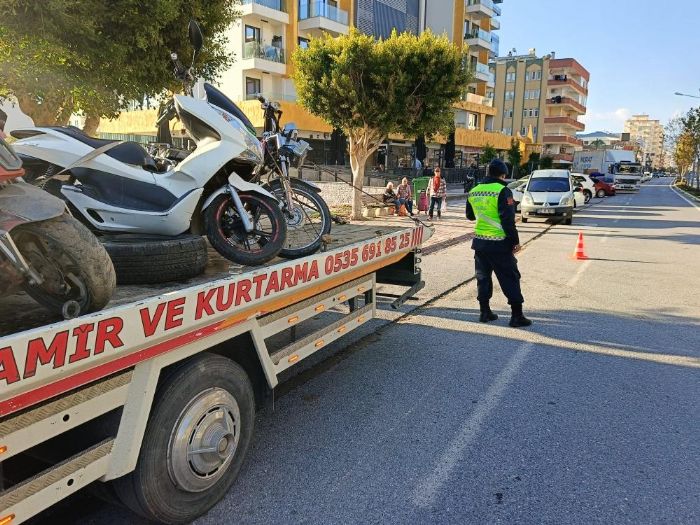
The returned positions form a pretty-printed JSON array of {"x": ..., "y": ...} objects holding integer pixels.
[
  {"x": 405, "y": 84},
  {"x": 488, "y": 154},
  {"x": 546, "y": 162},
  {"x": 597, "y": 144},
  {"x": 58, "y": 57},
  {"x": 684, "y": 153},
  {"x": 691, "y": 138},
  {"x": 514, "y": 156}
]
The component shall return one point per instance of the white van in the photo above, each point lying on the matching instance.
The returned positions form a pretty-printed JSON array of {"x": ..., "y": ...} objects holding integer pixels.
[{"x": 549, "y": 193}]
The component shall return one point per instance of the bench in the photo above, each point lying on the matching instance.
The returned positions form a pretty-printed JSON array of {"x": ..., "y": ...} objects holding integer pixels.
[{"x": 374, "y": 207}]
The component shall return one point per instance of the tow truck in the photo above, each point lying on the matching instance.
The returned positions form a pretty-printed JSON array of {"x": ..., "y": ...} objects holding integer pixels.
[{"x": 152, "y": 400}]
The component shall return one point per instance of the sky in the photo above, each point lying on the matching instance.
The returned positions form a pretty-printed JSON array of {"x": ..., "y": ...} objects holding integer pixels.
[{"x": 638, "y": 52}]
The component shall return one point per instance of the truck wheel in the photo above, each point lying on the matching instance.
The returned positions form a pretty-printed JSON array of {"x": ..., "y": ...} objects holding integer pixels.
[
  {"x": 196, "y": 440},
  {"x": 142, "y": 259},
  {"x": 568, "y": 220},
  {"x": 523, "y": 219}
]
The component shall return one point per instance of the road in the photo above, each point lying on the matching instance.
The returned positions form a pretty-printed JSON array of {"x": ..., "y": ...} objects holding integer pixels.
[{"x": 590, "y": 416}]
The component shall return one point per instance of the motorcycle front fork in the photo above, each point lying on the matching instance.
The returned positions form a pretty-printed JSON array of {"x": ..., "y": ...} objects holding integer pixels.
[
  {"x": 242, "y": 213},
  {"x": 287, "y": 186}
]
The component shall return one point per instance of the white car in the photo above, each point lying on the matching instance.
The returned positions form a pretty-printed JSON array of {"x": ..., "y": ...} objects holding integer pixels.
[
  {"x": 587, "y": 185},
  {"x": 549, "y": 194},
  {"x": 517, "y": 188}
]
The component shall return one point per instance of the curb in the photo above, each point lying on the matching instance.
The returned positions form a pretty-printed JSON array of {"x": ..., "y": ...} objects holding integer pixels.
[{"x": 683, "y": 192}]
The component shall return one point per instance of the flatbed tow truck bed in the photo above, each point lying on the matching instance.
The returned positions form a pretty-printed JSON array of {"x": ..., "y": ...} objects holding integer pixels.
[{"x": 61, "y": 380}]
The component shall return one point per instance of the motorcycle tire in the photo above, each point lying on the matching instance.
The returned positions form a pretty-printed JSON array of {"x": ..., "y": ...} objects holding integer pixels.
[
  {"x": 308, "y": 224},
  {"x": 140, "y": 259},
  {"x": 226, "y": 233},
  {"x": 61, "y": 247}
]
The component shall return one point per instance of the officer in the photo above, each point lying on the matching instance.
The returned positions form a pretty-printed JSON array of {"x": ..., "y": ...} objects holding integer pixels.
[{"x": 495, "y": 243}]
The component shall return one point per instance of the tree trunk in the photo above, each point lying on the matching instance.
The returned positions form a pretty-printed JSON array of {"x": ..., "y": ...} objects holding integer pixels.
[
  {"x": 49, "y": 113},
  {"x": 92, "y": 122},
  {"x": 358, "y": 159}
]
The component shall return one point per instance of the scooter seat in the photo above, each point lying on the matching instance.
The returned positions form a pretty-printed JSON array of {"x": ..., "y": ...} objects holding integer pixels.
[{"x": 127, "y": 152}]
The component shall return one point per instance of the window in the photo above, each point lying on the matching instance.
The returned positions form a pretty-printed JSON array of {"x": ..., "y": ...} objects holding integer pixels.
[
  {"x": 534, "y": 131},
  {"x": 252, "y": 34},
  {"x": 510, "y": 95},
  {"x": 507, "y": 131},
  {"x": 510, "y": 77},
  {"x": 252, "y": 87},
  {"x": 523, "y": 131},
  {"x": 524, "y": 113},
  {"x": 508, "y": 113},
  {"x": 535, "y": 112},
  {"x": 533, "y": 75},
  {"x": 304, "y": 43}
]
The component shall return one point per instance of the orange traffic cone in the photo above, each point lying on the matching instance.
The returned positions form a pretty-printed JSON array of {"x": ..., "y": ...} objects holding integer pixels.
[{"x": 579, "y": 253}]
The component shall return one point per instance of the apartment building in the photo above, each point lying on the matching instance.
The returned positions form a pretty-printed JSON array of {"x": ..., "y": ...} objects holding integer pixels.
[
  {"x": 648, "y": 135},
  {"x": 545, "y": 96},
  {"x": 269, "y": 31}
]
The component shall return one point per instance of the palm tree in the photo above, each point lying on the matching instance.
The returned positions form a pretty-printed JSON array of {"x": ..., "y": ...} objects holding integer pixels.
[{"x": 597, "y": 144}]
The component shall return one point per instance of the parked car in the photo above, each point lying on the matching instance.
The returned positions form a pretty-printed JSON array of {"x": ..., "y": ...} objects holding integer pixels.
[
  {"x": 587, "y": 185},
  {"x": 517, "y": 187},
  {"x": 549, "y": 193}
]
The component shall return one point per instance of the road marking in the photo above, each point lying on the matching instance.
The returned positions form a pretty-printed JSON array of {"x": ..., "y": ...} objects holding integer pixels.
[
  {"x": 686, "y": 199},
  {"x": 572, "y": 282},
  {"x": 427, "y": 490}
]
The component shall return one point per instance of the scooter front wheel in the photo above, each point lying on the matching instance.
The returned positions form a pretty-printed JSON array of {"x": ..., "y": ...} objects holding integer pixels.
[{"x": 227, "y": 235}]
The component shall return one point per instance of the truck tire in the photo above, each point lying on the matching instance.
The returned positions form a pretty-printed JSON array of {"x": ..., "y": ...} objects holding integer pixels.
[
  {"x": 205, "y": 404},
  {"x": 523, "y": 219},
  {"x": 141, "y": 259},
  {"x": 61, "y": 246}
]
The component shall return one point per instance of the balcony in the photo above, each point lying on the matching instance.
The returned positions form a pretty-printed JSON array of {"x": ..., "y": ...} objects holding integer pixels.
[
  {"x": 495, "y": 24},
  {"x": 482, "y": 73},
  {"x": 564, "y": 81},
  {"x": 477, "y": 99},
  {"x": 482, "y": 8},
  {"x": 478, "y": 38},
  {"x": 568, "y": 102},
  {"x": 266, "y": 58},
  {"x": 267, "y": 9},
  {"x": 566, "y": 121},
  {"x": 317, "y": 16},
  {"x": 562, "y": 139}
]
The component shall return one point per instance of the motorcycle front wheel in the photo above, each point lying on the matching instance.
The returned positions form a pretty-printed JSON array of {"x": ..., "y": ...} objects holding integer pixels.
[
  {"x": 307, "y": 223},
  {"x": 77, "y": 273},
  {"x": 227, "y": 235}
]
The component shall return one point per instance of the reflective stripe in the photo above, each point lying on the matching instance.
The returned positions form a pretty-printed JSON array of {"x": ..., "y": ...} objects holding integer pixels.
[
  {"x": 489, "y": 238},
  {"x": 489, "y": 220},
  {"x": 483, "y": 193}
]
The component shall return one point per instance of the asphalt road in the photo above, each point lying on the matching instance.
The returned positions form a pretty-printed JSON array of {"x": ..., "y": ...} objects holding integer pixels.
[{"x": 590, "y": 416}]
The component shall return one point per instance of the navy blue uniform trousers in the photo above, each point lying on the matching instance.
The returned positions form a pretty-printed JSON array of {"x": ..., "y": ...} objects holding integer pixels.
[{"x": 503, "y": 263}]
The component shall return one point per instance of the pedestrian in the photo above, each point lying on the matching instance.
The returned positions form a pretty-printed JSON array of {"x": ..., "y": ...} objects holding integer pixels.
[
  {"x": 404, "y": 196},
  {"x": 437, "y": 190},
  {"x": 389, "y": 196},
  {"x": 495, "y": 243}
]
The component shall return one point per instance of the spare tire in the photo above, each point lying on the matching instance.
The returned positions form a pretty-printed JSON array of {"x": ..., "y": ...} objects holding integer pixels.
[{"x": 139, "y": 259}]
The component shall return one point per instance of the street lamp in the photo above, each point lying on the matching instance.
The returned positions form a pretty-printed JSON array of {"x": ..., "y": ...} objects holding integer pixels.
[{"x": 686, "y": 95}]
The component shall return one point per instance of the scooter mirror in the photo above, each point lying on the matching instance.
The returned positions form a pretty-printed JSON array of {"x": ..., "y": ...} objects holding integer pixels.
[{"x": 196, "y": 38}]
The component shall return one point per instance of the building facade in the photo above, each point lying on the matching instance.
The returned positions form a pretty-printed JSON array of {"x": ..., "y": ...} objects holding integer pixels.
[
  {"x": 596, "y": 139},
  {"x": 648, "y": 135},
  {"x": 269, "y": 31},
  {"x": 544, "y": 96}
]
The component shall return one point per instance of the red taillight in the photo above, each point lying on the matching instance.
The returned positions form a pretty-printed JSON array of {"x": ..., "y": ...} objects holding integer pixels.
[{"x": 6, "y": 175}]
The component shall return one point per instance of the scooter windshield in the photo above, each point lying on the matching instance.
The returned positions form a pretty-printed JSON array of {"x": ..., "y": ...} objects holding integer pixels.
[{"x": 218, "y": 99}]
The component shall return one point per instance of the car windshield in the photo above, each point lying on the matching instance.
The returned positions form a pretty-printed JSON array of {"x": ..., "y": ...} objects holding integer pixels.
[{"x": 556, "y": 184}]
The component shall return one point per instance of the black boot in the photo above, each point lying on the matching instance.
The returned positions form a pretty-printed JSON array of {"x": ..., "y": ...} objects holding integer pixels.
[
  {"x": 486, "y": 314},
  {"x": 517, "y": 319}
]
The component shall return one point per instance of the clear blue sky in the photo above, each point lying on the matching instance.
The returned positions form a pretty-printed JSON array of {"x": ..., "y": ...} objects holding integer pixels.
[{"x": 639, "y": 52}]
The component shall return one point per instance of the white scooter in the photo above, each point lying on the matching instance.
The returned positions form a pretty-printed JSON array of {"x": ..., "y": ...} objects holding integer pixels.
[{"x": 116, "y": 187}]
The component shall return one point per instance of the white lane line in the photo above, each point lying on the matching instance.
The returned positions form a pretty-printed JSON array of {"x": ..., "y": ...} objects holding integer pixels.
[
  {"x": 428, "y": 488},
  {"x": 686, "y": 199},
  {"x": 572, "y": 282}
]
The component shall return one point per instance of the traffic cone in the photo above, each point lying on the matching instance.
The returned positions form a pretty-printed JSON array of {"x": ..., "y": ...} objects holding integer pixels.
[{"x": 579, "y": 253}]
